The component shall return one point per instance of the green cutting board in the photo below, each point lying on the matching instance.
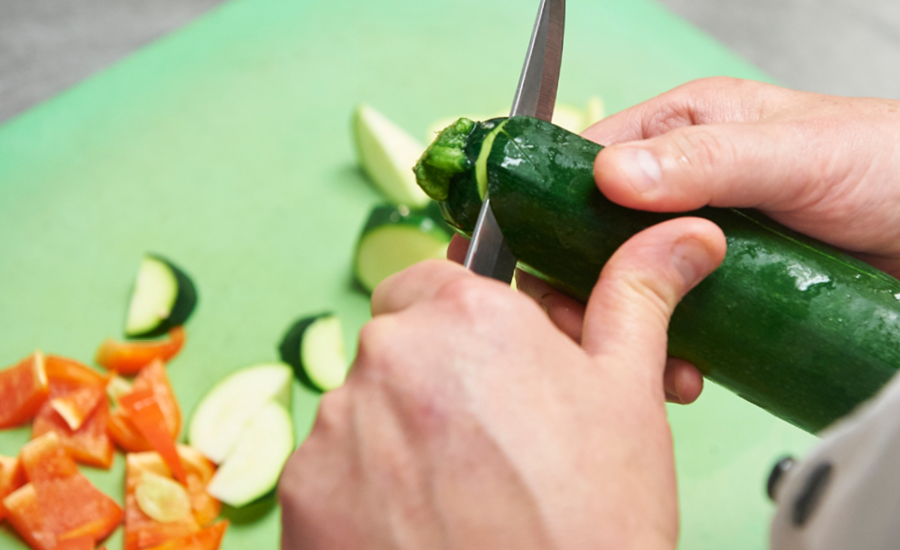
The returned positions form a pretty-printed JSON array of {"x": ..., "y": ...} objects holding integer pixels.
[{"x": 225, "y": 147}]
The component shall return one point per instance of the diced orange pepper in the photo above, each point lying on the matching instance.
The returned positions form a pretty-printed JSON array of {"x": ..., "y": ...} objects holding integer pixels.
[
  {"x": 200, "y": 471},
  {"x": 27, "y": 519},
  {"x": 123, "y": 431},
  {"x": 90, "y": 443},
  {"x": 23, "y": 389},
  {"x": 66, "y": 373},
  {"x": 131, "y": 357},
  {"x": 207, "y": 539},
  {"x": 142, "y": 531},
  {"x": 12, "y": 476},
  {"x": 76, "y": 406},
  {"x": 70, "y": 503},
  {"x": 81, "y": 542},
  {"x": 144, "y": 411}
]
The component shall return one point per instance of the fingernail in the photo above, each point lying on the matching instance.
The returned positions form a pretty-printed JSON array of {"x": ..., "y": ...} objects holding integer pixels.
[
  {"x": 641, "y": 168},
  {"x": 692, "y": 260}
]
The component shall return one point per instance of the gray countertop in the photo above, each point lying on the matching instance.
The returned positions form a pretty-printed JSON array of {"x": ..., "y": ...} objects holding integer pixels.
[{"x": 845, "y": 47}]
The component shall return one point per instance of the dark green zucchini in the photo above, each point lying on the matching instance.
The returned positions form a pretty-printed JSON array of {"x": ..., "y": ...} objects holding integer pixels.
[{"x": 787, "y": 322}]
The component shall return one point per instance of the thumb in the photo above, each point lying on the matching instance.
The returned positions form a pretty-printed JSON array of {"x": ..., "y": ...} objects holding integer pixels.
[
  {"x": 627, "y": 315},
  {"x": 727, "y": 165}
]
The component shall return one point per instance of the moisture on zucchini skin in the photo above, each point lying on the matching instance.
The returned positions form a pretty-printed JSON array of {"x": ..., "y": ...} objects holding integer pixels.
[{"x": 787, "y": 322}]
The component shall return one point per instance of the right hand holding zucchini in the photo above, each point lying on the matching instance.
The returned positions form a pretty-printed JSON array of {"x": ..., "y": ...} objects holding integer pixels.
[{"x": 465, "y": 409}]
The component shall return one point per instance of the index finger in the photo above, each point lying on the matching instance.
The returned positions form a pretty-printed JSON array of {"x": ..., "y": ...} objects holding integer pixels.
[{"x": 704, "y": 101}]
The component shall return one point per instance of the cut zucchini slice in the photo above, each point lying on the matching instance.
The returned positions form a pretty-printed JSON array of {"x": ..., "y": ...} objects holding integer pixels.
[
  {"x": 395, "y": 238},
  {"x": 314, "y": 347},
  {"x": 163, "y": 297},
  {"x": 162, "y": 498},
  {"x": 252, "y": 468},
  {"x": 387, "y": 154},
  {"x": 230, "y": 405}
]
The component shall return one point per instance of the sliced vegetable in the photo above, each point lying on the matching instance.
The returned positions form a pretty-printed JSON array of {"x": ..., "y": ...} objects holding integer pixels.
[
  {"x": 23, "y": 389},
  {"x": 161, "y": 498},
  {"x": 89, "y": 444},
  {"x": 76, "y": 406},
  {"x": 130, "y": 357},
  {"x": 789, "y": 323},
  {"x": 144, "y": 411},
  {"x": 163, "y": 298},
  {"x": 12, "y": 476},
  {"x": 82, "y": 542},
  {"x": 66, "y": 373},
  {"x": 59, "y": 486},
  {"x": 252, "y": 468},
  {"x": 314, "y": 347},
  {"x": 207, "y": 539},
  {"x": 393, "y": 239},
  {"x": 116, "y": 388},
  {"x": 232, "y": 403},
  {"x": 142, "y": 531},
  {"x": 123, "y": 431},
  {"x": 27, "y": 519},
  {"x": 386, "y": 153}
]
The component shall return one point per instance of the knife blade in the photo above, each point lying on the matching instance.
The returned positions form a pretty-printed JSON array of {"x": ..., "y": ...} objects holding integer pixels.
[{"x": 488, "y": 253}]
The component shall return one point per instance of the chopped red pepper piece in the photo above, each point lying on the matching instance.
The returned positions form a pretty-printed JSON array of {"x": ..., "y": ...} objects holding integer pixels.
[
  {"x": 23, "y": 389},
  {"x": 27, "y": 519},
  {"x": 207, "y": 539},
  {"x": 131, "y": 357},
  {"x": 69, "y": 503},
  {"x": 12, "y": 476},
  {"x": 76, "y": 406},
  {"x": 144, "y": 411},
  {"x": 142, "y": 531},
  {"x": 65, "y": 373},
  {"x": 90, "y": 443},
  {"x": 81, "y": 542},
  {"x": 124, "y": 432}
]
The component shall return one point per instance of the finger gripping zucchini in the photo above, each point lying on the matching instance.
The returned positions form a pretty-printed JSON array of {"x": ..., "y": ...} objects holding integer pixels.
[{"x": 786, "y": 322}]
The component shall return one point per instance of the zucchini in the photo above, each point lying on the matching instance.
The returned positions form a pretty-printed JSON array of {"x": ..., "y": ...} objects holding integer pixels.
[
  {"x": 163, "y": 297},
  {"x": 232, "y": 403},
  {"x": 385, "y": 152},
  {"x": 793, "y": 325},
  {"x": 395, "y": 238},
  {"x": 253, "y": 466},
  {"x": 314, "y": 347}
]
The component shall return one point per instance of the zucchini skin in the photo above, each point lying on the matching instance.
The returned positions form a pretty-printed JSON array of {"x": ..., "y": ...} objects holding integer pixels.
[{"x": 789, "y": 323}]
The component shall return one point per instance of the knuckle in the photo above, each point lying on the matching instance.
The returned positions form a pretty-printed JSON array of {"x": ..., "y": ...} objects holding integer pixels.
[
  {"x": 378, "y": 343},
  {"x": 481, "y": 303},
  {"x": 701, "y": 149}
]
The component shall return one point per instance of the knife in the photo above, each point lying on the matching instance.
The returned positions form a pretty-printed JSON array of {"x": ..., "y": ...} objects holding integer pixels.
[{"x": 488, "y": 252}]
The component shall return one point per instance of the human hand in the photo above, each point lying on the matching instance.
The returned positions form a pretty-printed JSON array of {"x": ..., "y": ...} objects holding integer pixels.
[
  {"x": 825, "y": 166},
  {"x": 469, "y": 421},
  {"x": 682, "y": 382}
]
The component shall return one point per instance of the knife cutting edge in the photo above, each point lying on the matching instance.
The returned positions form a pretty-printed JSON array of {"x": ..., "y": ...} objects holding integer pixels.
[{"x": 488, "y": 252}]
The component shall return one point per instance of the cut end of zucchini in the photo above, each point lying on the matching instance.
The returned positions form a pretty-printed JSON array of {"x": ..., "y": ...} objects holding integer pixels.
[
  {"x": 314, "y": 347},
  {"x": 252, "y": 468},
  {"x": 443, "y": 159},
  {"x": 232, "y": 403},
  {"x": 163, "y": 297},
  {"x": 387, "y": 153},
  {"x": 394, "y": 239}
]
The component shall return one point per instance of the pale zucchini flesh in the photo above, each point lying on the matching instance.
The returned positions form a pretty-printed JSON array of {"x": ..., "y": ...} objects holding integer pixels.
[
  {"x": 252, "y": 467},
  {"x": 231, "y": 405}
]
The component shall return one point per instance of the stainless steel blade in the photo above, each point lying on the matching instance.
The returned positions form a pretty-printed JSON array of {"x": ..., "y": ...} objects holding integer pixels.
[{"x": 488, "y": 253}]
